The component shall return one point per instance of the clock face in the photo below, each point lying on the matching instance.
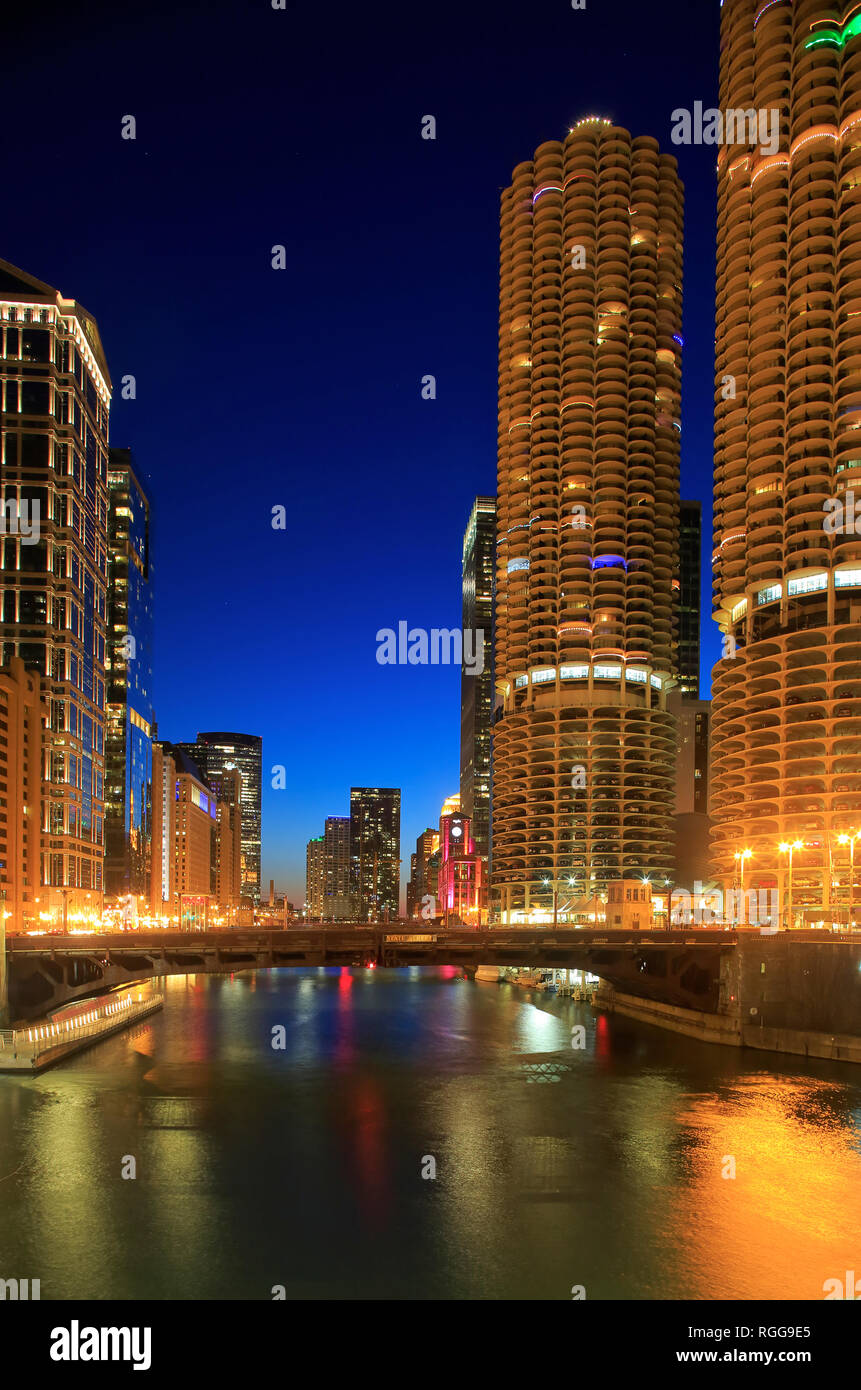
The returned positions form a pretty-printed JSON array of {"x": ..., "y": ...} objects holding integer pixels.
[{"x": 457, "y": 830}]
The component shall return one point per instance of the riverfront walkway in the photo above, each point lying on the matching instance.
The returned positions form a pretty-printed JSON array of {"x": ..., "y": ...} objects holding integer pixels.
[{"x": 34, "y": 1048}]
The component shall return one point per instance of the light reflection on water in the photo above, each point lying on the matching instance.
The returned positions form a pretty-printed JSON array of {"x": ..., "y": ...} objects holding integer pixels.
[{"x": 302, "y": 1166}]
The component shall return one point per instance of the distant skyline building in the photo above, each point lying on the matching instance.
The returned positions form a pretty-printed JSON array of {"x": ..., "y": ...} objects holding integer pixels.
[
  {"x": 128, "y": 675},
  {"x": 55, "y": 393},
  {"x": 590, "y": 354},
  {"x": 227, "y": 788},
  {"x": 460, "y": 883},
  {"x": 375, "y": 852},
  {"x": 215, "y": 752},
  {"x": 185, "y": 818},
  {"x": 690, "y": 552},
  {"x": 336, "y": 870},
  {"x": 314, "y": 878},
  {"x": 476, "y": 690},
  {"x": 786, "y": 717},
  {"x": 419, "y": 884}
]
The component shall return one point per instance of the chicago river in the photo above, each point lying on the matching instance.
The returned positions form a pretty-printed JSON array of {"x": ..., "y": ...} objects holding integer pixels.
[{"x": 411, "y": 1134}]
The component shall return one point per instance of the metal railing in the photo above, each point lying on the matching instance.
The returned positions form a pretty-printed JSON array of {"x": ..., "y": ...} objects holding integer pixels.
[{"x": 41, "y": 1037}]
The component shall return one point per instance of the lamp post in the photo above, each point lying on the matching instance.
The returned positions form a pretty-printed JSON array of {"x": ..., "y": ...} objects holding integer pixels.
[
  {"x": 850, "y": 841},
  {"x": 787, "y": 847},
  {"x": 741, "y": 856}
]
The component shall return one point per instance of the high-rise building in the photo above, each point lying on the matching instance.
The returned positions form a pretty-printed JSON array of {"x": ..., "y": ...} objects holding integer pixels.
[
  {"x": 213, "y": 752},
  {"x": 314, "y": 877},
  {"x": 185, "y": 812},
  {"x": 22, "y": 716},
  {"x": 336, "y": 870},
  {"x": 128, "y": 674},
  {"x": 162, "y": 892},
  {"x": 418, "y": 888},
  {"x": 476, "y": 686},
  {"x": 55, "y": 393},
  {"x": 587, "y": 520},
  {"x": 786, "y": 713},
  {"x": 375, "y": 853},
  {"x": 690, "y": 547}
]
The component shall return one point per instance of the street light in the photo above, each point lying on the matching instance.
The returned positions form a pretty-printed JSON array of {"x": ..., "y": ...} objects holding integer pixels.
[
  {"x": 740, "y": 857},
  {"x": 787, "y": 847},
  {"x": 850, "y": 841}
]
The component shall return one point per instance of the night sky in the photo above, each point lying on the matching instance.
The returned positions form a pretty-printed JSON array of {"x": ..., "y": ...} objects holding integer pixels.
[{"x": 302, "y": 387}]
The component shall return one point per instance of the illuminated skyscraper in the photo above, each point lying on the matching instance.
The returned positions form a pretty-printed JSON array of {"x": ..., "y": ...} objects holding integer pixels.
[
  {"x": 128, "y": 663},
  {"x": 461, "y": 868},
  {"x": 55, "y": 394},
  {"x": 336, "y": 870},
  {"x": 786, "y": 718},
  {"x": 375, "y": 852},
  {"x": 476, "y": 690},
  {"x": 215, "y": 752},
  {"x": 314, "y": 878},
  {"x": 588, "y": 520}
]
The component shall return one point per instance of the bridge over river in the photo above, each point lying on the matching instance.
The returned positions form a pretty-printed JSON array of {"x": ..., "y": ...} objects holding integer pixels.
[{"x": 797, "y": 991}]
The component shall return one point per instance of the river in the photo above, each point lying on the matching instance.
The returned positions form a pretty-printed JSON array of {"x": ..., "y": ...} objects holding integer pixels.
[{"x": 285, "y": 1127}]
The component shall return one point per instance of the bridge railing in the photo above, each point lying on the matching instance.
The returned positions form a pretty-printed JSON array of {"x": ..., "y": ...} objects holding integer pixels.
[{"x": 40, "y": 1037}]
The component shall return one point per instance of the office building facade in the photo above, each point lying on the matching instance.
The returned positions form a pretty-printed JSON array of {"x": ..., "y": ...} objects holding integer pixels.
[
  {"x": 476, "y": 689},
  {"x": 55, "y": 393},
  {"x": 22, "y": 719},
  {"x": 786, "y": 710},
  {"x": 227, "y": 789},
  {"x": 587, "y": 521},
  {"x": 183, "y": 861}
]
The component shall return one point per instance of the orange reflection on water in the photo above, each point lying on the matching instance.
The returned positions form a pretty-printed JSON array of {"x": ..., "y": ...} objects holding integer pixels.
[{"x": 791, "y": 1217}]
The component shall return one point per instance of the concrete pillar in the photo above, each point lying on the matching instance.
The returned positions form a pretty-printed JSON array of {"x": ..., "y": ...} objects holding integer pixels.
[{"x": 4, "y": 967}]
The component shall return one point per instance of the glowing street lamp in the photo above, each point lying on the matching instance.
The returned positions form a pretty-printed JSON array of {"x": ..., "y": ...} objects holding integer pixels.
[
  {"x": 787, "y": 847},
  {"x": 741, "y": 856},
  {"x": 850, "y": 841}
]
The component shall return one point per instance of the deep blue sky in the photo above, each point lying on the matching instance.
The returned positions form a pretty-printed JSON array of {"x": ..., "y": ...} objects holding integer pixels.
[{"x": 302, "y": 387}]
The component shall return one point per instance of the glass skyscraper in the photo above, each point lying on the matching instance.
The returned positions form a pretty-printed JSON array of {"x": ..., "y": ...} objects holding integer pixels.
[
  {"x": 476, "y": 691},
  {"x": 216, "y": 752},
  {"x": 375, "y": 852},
  {"x": 128, "y": 795}
]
